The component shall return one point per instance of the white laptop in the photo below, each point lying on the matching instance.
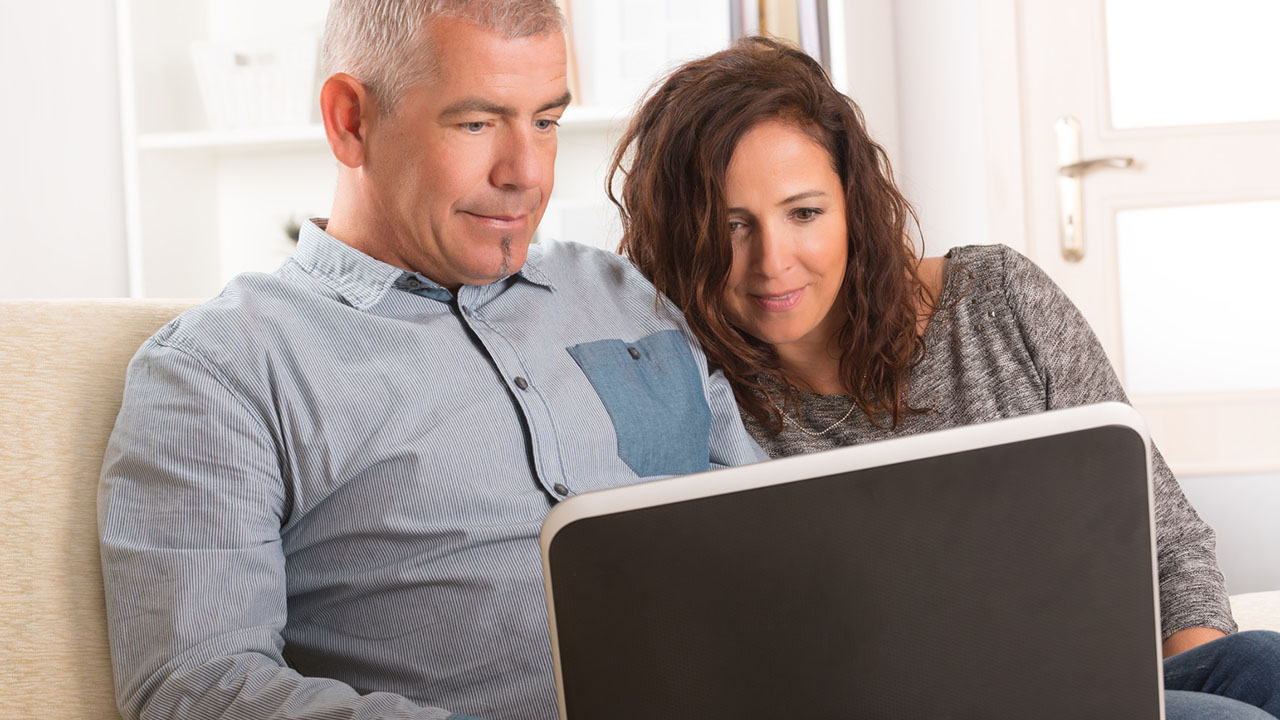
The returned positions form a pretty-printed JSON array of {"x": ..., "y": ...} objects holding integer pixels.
[{"x": 1003, "y": 570}]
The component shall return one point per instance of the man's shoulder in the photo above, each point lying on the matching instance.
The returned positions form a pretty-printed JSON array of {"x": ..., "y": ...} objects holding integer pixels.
[
  {"x": 606, "y": 290},
  {"x": 575, "y": 264},
  {"x": 252, "y": 308}
]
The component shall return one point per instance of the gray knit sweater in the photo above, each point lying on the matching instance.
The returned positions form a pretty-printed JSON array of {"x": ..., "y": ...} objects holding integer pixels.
[{"x": 1008, "y": 342}]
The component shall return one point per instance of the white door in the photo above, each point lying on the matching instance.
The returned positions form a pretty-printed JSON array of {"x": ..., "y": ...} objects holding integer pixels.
[{"x": 1181, "y": 249}]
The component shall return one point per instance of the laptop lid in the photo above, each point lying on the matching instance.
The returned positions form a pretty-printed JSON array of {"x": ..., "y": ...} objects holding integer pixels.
[{"x": 1003, "y": 570}]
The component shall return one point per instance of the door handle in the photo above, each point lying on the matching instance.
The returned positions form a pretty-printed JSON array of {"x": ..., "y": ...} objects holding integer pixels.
[
  {"x": 1070, "y": 191},
  {"x": 1076, "y": 169}
]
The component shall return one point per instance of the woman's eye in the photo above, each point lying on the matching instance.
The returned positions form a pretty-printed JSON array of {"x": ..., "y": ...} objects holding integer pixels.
[{"x": 806, "y": 214}]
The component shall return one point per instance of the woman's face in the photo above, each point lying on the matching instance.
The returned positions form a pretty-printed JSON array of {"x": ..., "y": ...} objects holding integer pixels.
[{"x": 790, "y": 242}]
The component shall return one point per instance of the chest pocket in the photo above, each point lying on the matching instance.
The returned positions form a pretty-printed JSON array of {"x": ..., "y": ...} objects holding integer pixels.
[{"x": 653, "y": 392}]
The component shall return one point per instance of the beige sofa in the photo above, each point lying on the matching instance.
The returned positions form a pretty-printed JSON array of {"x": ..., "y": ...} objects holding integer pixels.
[
  {"x": 61, "y": 376},
  {"x": 62, "y": 369}
]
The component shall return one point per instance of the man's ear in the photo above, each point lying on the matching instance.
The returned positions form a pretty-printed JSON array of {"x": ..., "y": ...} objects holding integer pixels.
[{"x": 346, "y": 107}]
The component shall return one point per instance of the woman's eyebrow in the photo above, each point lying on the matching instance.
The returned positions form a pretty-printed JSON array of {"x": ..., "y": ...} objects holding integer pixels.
[
  {"x": 803, "y": 196},
  {"x": 787, "y": 201}
]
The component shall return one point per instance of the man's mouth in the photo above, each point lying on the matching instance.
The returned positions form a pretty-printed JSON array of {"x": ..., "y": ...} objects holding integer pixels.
[{"x": 506, "y": 222}]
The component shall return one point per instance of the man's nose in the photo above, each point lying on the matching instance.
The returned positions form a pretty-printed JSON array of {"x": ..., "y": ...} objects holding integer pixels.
[{"x": 519, "y": 164}]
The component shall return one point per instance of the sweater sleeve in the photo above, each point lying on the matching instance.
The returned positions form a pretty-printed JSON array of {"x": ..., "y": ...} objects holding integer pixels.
[{"x": 1076, "y": 371}]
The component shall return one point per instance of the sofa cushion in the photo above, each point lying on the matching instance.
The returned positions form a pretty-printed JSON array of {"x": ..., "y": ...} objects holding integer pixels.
[{"x": 1257, "y": 610}]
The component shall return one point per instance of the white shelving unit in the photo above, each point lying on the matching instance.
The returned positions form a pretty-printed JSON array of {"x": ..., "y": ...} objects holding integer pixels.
[{"x": 205, "y": 203}]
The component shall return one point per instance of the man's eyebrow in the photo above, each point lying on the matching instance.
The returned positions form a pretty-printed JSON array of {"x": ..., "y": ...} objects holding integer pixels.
[
  {"x": 562, "y": 101},
  {"x": 475, "y": 104}
]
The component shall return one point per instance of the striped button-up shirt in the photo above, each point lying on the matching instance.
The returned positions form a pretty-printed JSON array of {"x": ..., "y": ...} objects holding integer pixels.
[{"x": 324, "y": 490}]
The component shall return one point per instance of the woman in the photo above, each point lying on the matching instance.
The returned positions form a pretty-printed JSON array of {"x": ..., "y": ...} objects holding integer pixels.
[{"x": 754, "y": 198}]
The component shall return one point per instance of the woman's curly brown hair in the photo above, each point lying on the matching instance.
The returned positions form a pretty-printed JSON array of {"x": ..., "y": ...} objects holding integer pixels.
[{"x": 674, "y": 158}]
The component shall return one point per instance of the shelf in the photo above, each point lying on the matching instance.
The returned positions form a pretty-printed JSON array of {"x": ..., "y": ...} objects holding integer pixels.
[
  {"x": 301, "y": 136},
  {"x": 593, "y": 117},
  {"x": 312, "y": 136}
]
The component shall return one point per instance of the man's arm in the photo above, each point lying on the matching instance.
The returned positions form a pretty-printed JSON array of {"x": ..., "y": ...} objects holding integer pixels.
[
  {"x": 191, "y": 502},
  {"x": 730, "y": 443}
]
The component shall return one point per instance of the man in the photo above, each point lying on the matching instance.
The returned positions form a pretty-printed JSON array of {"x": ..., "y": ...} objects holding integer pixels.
[{"x": 323, "y": 493}]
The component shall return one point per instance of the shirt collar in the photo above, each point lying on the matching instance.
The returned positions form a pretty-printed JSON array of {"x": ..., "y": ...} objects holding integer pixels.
[{"x": 363, "y": 280}]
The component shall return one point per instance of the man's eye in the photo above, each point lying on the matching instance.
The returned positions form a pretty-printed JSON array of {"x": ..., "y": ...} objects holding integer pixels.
[
  {"x": 545, "y": 124},
  {"x": 473, "y": 127}
]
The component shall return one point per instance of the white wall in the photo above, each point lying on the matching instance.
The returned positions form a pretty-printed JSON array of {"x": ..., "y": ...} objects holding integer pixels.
[
  {"x": 942, "y": 166},
  {"x": 1242, "y": 508},
  {"x": 61, "y": 196},
  {"x": 864, "y": 66}
]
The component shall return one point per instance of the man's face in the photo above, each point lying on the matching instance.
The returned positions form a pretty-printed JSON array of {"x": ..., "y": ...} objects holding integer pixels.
[{"x": 460, "y": 173}]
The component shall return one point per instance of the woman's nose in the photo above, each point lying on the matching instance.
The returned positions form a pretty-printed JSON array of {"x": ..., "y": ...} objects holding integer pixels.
[{"x": 774, "y": 252}]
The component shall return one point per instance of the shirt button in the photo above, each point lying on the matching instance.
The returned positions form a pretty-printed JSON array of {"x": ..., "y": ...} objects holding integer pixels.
[
  {"x": 522, "y": 383},
  {"x": 413, "y": 283},
  {"x": 634, "y": 353},
  {"x": 561, "y": 489}
]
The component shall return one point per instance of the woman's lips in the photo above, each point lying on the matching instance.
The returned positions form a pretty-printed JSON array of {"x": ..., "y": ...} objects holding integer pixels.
[{"x": 781, "y": 302}]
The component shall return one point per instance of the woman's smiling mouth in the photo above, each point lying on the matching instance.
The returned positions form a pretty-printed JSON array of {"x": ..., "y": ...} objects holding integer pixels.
[{"x": 779, "y": 303}]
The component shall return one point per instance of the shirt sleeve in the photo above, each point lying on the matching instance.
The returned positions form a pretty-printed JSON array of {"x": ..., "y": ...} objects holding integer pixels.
[
  {"x": 1075, "y": 371},
  {"x": 190, "y": 506},
  {"x": 731, "y": 444}
]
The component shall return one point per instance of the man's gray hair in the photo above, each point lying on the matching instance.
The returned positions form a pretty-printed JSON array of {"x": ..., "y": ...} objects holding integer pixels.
[{"x": 383, "y": 43}]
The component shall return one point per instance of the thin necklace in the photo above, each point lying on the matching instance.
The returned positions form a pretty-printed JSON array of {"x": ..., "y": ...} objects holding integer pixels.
[{"x": 852, "y": 406}]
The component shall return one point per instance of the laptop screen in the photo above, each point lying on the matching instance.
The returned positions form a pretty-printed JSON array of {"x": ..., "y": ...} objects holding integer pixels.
[{"x": 1011, "y": 580}]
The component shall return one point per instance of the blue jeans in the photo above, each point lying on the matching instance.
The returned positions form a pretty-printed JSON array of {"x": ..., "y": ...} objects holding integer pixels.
[{"x": 1233, "y": 678}]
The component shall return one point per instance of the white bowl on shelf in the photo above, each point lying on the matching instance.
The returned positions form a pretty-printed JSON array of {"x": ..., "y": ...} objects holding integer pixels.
[{"x": 257, "y": 85}]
